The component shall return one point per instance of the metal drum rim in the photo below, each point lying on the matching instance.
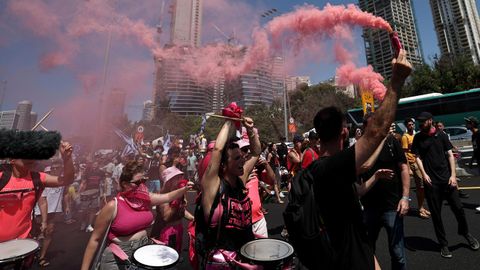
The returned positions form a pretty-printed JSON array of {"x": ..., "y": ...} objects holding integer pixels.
[{"x": 289, "y": 254}]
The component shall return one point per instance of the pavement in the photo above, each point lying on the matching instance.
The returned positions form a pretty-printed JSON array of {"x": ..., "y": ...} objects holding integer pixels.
[{"x": 422, "y": 250}]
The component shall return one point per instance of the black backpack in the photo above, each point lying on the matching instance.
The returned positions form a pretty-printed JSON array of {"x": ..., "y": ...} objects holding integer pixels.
[
  {"x": 7, "y": 173},
  {"x": 304, "y": 223}
]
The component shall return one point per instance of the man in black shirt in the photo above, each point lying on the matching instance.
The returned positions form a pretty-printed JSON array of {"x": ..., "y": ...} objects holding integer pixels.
[
  {"x": 282, "y": 151},
  {"x": 337, "y": 169},
  {"x": 387, "y": 201},
  {"x": 472, "y": 125},
  {"x": 439, "y": 176}
]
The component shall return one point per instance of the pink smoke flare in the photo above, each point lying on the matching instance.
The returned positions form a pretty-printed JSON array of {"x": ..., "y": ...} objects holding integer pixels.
[{"x": 364, "y": 77}]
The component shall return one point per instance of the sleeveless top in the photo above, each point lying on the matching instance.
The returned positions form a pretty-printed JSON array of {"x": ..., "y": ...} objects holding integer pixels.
[
  {"x": 128, "y": 220},
  {"x": 233, "y": 212}
]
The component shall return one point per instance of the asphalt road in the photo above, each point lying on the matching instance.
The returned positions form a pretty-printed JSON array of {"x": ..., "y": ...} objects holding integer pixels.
[{"x": 422, "y": 251}]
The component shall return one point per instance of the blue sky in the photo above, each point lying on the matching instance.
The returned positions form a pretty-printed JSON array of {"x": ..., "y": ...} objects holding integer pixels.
[{"x": 20, "y": 52}]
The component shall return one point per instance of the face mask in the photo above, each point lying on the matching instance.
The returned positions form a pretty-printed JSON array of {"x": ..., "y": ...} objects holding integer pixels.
[{"x": 137, "y": 198}]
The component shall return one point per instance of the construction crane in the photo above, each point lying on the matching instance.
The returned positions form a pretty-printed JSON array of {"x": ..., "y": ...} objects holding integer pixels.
[{"x": 230, "y": 40}]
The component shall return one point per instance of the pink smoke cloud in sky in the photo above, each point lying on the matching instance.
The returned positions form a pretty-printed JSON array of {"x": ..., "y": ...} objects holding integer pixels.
[
  {"x": 311, "y": 23},
  {"x": 76, "y": 35}
]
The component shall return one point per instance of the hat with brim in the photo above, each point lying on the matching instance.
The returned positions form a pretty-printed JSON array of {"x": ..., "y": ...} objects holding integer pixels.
[
  {"x": 169, "y": 173},
  {"x": 423, "y": 116},
  {"x": 243, "y": 143}
]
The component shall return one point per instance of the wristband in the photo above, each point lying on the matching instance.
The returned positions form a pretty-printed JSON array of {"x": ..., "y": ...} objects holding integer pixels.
[{"x": 406, "y": 198}]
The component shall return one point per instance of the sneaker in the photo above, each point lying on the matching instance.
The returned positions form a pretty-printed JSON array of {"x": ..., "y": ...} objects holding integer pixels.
[
  {"x": 283, "y": 196},
  {"x": 83, "y": 226},
  {"x": 445, "y": 252},
  {"x": 89, "y": 228},
  {"x": 472, "y": 242}
]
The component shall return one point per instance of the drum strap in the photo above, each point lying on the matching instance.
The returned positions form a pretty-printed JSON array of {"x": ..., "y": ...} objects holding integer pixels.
[{"x": 7, "y": 174}]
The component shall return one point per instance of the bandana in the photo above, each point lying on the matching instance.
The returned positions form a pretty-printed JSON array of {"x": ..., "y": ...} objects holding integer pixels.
[
  {"x": 137, "y": 198},
  {"x": 432, "y": 131}
]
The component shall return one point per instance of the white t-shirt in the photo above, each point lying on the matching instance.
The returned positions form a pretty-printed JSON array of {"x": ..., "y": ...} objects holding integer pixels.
[
  {"x": 117, "y": 171},
  {"x": 54, "y": 197}
]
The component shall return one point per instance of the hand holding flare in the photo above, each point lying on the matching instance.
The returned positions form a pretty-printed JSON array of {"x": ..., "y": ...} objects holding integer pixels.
[
  {"x": 233, "y": 111},
  {"x": 396, "y": 44}
]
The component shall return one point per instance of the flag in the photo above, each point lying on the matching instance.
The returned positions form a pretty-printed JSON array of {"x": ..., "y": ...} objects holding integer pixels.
[
  {"x": 204, "y": 123},
  {"x": 130, "y": 146},
  {"x": 167, "y": 143}
]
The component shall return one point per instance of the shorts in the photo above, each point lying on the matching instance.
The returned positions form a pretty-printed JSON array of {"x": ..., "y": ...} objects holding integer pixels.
[
  {"x": 260, "y": 227},
  {"x": 417, "y": 175},
  {"x": 90, "y": 202}
]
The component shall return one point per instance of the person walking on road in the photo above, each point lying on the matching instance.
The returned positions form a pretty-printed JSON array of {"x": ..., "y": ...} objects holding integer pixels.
[
  {"x": 407, "y": 140},
  {"x": 440, "y": 180}
]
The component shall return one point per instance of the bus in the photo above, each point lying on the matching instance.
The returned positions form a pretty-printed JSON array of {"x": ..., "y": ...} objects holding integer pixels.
[{"x": 451, "y": 109}]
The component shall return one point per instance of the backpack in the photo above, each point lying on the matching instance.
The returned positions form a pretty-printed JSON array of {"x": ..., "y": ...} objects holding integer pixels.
[
  {"x": 7, "y": 174},
  {"x": 304, "y": 223}
]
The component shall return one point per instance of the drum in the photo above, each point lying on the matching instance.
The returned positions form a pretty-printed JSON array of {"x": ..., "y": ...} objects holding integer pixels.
[
  {"x": 155, "y": 257},
  {"x": 269, "y": 253},
  {"x": 89, "y": 195},
  {"x": 18, "y": 253}
]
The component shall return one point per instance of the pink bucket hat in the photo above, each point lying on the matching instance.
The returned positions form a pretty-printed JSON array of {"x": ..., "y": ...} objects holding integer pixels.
[{"x": 169, "y": 173}]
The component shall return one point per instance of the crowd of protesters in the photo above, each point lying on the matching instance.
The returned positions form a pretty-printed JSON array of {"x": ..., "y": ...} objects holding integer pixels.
[{"x": 106, "y": 193}]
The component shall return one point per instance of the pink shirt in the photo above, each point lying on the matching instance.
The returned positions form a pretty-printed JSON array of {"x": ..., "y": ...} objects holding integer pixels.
[
  {"x": 16, "y": 208},
  {"x": 252, "y": 186},
  {"x": 129, "y": 221}
]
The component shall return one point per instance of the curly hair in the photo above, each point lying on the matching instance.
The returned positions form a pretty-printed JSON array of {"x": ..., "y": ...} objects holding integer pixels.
[{"x": 131, "y": 168}]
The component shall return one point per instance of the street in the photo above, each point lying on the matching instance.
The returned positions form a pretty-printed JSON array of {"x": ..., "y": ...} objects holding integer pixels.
[{"x": 422, "y": 250}]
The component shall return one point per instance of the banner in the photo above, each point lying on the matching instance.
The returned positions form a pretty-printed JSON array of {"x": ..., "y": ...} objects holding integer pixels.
[{"x": 368, "y": 102}]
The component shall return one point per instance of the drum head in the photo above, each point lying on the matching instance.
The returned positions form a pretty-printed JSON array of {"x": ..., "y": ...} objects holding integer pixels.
[
  {"x": 155, "y": 256},
  {"x": 16, "y": 249},
  {"x": 266, "y": 250}
]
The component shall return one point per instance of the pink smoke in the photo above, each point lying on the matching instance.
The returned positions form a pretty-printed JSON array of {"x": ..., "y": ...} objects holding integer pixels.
[
  {"x": 310, "y": 24},
  {"x": 365, "y": 77}
]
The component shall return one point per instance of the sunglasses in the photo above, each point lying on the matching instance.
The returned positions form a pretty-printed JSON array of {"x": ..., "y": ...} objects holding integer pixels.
[{"x": 139, "y": 181}]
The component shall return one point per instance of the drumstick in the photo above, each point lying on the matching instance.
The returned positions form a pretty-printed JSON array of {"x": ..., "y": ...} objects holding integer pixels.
[
  {"x": 43, "y": 119},
  {"x": 226, "y": 117}
]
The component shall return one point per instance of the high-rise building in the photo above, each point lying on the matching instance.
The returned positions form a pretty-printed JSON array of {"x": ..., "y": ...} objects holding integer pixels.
[
  {"x": 186, "y": 23},
  {"x": 33, "y": 119},
  {"x": 176, "y": 89},
  {"x": 378, "y": 49},
  {"x": 458, "y": 27},
  {"x": 9, "y": 119},
  {"x": 148, "y": 110},
  {"x": 253, "y": 88},
  {"x": 24, "y": 110},
  {"x": 278, "y": 76},
  {"x": 292, "y": 82}
]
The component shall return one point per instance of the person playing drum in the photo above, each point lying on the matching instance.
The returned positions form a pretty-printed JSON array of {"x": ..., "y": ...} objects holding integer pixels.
[
  {"x": 129, "y": 215},
  {"x": 17, "y": 198},
  {"x": 230, "y": 226}
]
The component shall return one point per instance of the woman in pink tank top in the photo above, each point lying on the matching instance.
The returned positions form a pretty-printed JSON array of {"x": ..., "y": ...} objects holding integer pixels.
[
  {"x": 130, "y": 215},
  {"x": 226, "y": 175}
]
